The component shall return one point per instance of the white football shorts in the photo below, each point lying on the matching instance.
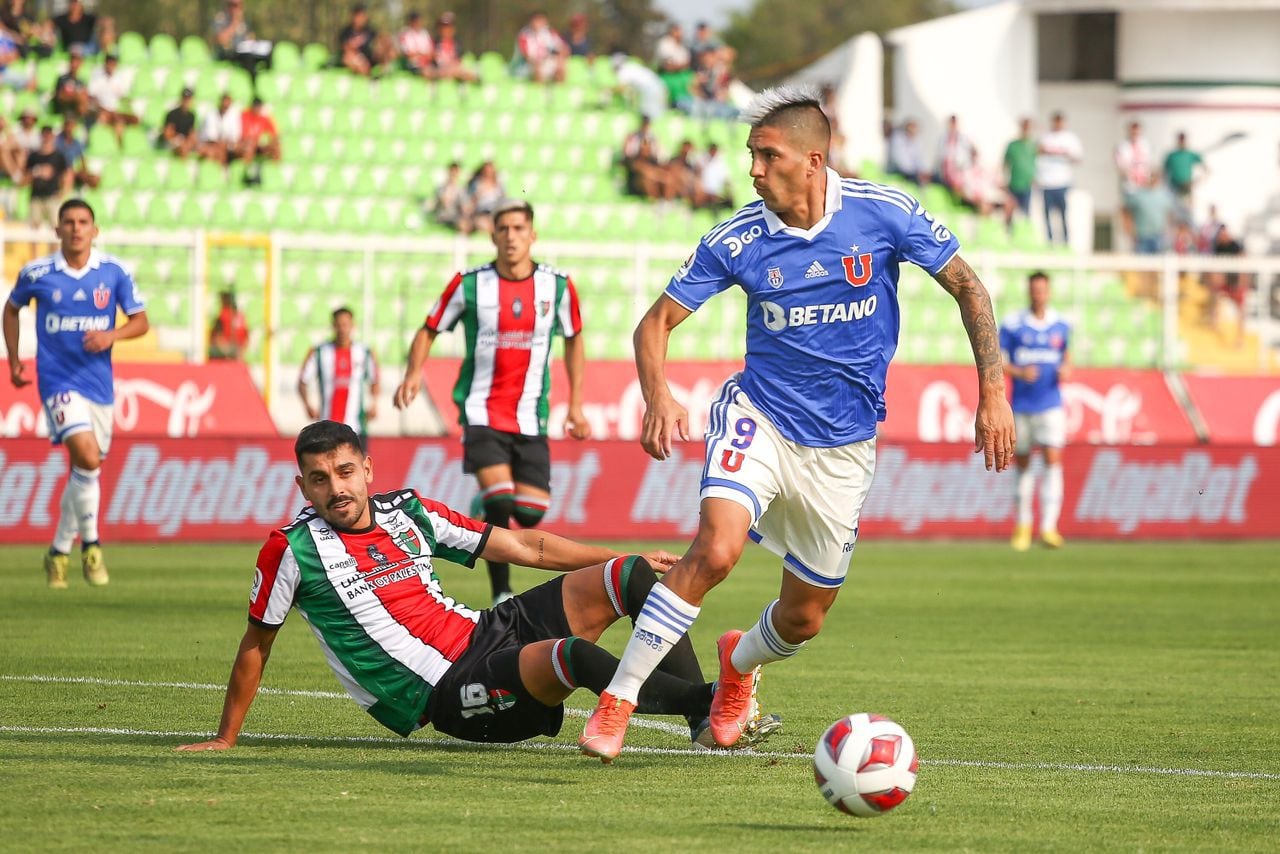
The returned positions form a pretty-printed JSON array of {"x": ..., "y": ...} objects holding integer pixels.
[
  {"x": 1047, "y": 429},
  {"x": 69, "y": 412},
  {"x": 804, "y": 502}
]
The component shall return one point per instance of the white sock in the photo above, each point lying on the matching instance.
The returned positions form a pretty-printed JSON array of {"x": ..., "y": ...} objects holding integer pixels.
[
  {"x": 1026, "y": 484},
  {"x": 762, "y": 644},
  {"x": 86, "y": 493},
  {"x": 64, "y": 536},
  {"x": 1051, "y": 497},
  {"x": 664, "y": 619}
]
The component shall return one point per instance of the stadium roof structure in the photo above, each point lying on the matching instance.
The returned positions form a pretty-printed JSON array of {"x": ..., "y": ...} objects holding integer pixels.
[{"x": 1061, "y": 6}]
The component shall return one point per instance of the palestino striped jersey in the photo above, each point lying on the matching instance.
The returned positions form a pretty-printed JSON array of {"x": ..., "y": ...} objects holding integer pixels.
[
  {"x": 822, "y": 304},
  {"x": 505, "y": 377},
  {"x": 342, "y": 374},
  {"x": 373, "y": 600}
]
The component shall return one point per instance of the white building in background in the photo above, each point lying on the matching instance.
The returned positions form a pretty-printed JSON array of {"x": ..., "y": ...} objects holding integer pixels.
[{"x": 1209, "y": 67}]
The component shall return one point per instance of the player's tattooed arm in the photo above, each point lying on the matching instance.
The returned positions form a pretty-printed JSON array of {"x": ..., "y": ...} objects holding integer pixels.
[{"x": 959, "y": 280}]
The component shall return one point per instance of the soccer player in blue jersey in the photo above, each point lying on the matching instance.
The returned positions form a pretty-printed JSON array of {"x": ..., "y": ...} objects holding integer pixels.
[
  {"x": 77, "y": 291},
  {"x": 790, "y": 447},
  {"x": 1034, "y": 345}
]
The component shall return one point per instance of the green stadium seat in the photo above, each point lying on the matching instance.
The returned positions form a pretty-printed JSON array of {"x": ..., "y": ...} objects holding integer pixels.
[
  {"x": 163, "y": 49},
  {"x": 131, "y": 47},
  {"x": 135, "y": 142},
  {"x": 101, "y": 140},
  {"x": 194, "y": 52},
  {"x": 315, "y": 56},
  {"x": 285, "y": 56}
]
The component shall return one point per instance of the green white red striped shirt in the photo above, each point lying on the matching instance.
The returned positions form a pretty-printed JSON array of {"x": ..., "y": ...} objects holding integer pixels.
[
  {"x": 505, "y": 379},
  {"x": 342, "y": 375},
  {"x": 373, "y": 599}
]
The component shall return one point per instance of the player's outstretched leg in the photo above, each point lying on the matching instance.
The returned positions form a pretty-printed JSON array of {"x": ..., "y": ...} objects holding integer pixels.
[{"x": 499, "y": 504}]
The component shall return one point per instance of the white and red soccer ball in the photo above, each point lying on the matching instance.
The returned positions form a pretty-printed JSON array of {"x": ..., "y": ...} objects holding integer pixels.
[{"x": 865, "y": 765}]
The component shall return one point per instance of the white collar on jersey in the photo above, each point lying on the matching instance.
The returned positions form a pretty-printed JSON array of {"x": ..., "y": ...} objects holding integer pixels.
[
  {"x": 1050, "y": 318},
  {"x": 60, "y": 264},
  {"x": 834, "y": 202}
]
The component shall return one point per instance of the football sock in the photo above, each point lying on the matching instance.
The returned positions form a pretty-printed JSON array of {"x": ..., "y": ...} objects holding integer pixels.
[
  {"x": 1051, "y": 497},
  {"x": 529, "y": 509},
  {"x": 664, "y": 619},
  {"x": 761, "y": 644},
  {"x": 85, "y": 489},
  {"x": 65, "y": 534},
  {"x": 579, "y": 663},
  {"x": 1026, "y": 483},
  {"x": 628, "y": 582},
  {"x": 498, "y": 507}
]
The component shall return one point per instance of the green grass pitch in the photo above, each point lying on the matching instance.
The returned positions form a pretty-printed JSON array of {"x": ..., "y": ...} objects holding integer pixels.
[{"x": 1107, "y": 697}]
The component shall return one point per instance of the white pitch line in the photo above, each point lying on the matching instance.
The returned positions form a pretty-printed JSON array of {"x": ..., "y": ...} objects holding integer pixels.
[{"x": 548, "y": 745}]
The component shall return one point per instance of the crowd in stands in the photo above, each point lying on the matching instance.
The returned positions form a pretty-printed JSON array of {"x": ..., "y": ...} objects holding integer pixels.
[
  {"x": 469, "y": 206},
  {"x": 700, "y": 179}
]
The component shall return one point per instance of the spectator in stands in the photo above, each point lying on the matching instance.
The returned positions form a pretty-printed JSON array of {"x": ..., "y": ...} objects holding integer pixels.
[
  {"x": 258, "y": 134},
  {"x": 486, "y": 194},
  {"x": 220, "y": 132},
  {"x": 713, "y": 181},
  {"x": 32, "y": 34},
  {"x": 27, "y": 133},
  {"x": 636, "y": 79},
  {"x": 1180, "y": 167},
  {"x": 578, "y": 36},
  {"x": 71, "y": 147},
  {"x": 956, "y": 156},
  {"x": 13, "y": 156},
  {"x": 360, "y": 49},
  {"x": 645, "y": 175},
  {"x": 835, "y": 152},
  {"x": 230, "y": 333},
  {"x": 233, "y": 40},
  {"x": 12, "y": 71},
  {"x": 77, "y": 28},
  {"x": 1019, "y": 172},
  {"x": 1058, "y": 151},
  {"x": 1133, "y": 164},
  {"x": 540, "y": 52},
  {"x": 108, "y": 89},
  {"x": 1207, "y": 235},
  {"x": 1151, "y": 207},
  {"x": 417, "y": 50},
  {"x": 451, "y": 206},
  {"x": 906, "y": 157},
  {"x": 178, "y": 133},
  {"x": 670, "y": 55},
  {"x": 1228, "y": 287},
  {"x": 682, "y": 173},
  {"x": 704, "y": 41},
  {"x": 50, "y": 179},
  {"x": 711, "y": 86},
  {"x": 448, "y": 56},
  {"x": 70, "y": 93}
]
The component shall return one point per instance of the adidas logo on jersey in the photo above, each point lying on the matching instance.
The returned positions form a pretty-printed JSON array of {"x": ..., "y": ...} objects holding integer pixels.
[
  {"x": 79, "y": 295},
  {"x": 815, "y": 271}
]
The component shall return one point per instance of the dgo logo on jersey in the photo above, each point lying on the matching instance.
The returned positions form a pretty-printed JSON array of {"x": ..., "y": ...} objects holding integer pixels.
[
  {"x": 101, "y": 296},
  {"x": 857, "y": 268}
]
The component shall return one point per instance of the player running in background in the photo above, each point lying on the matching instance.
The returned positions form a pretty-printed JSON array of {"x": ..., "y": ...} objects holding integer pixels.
[
  {"x": 1034, "y": 344},
  {"x": 790, "y": 446},
  {"x": 511, "y": 309},
  {"x": 359, "y": 568},
  {"x": 341, "y": 369},
  {"x": 77, "y": 291}
]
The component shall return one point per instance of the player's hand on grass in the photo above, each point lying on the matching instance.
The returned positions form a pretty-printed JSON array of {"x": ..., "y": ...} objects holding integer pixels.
[
  {"x": 407, "y": 391},
  {"x": 218, "y": 743},
  {"x": 663, "y": 418},
  {"x": 16, "y": 375},
  {"x": 993, "y": 431},
  {"x": 97, "y": 340},
  {"x": 577, "y": 425}
]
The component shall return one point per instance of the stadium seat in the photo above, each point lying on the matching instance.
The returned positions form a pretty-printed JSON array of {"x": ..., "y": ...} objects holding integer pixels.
[
  {"x": 194, "y": 52},
  {"x": 131, "y": 47},
  {"x": 285, "y": 56},
  {"x": 163, "y": 49},
  {"x": 315, "y": 56}
]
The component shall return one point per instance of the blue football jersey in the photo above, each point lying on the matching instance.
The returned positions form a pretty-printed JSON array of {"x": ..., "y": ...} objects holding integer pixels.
[
  {"x": 822, "y": 304},
  {"x": 1027, "y": 340},
  {"x": 70, "y": 303}
]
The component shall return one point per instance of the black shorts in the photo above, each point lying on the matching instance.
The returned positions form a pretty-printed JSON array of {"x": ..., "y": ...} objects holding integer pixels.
[
  {"x": 481, "y": 697},
  {"x": 528, "y": 456}
]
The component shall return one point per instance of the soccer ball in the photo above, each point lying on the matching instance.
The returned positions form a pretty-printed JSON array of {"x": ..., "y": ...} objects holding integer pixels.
[{"x": 865, "y": 765}]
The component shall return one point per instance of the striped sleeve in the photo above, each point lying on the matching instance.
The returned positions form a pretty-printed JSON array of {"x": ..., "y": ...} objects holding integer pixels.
[
  {"x": 569, "y": 312},
  {"x": 445, "y": 313},
  {"x": 370, "y": 367},
  {"x": 459, "y": 538},
  {"x": 275, "y": 580}
]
